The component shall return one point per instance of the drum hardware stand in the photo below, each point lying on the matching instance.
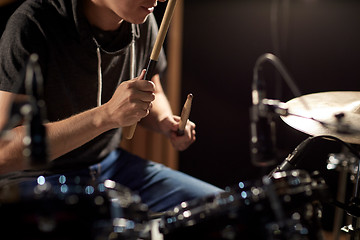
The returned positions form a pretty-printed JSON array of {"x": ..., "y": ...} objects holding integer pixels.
[
  {"x": 31, "y": 110},
  {"x": 154, "y": 230},
  {"x": 294, "y": 158},
  {"x": 262, "y": 126},
  {"x": 356, "y": 203},
  {"x": 34, "y": 114},
  {"x": 353, "y": 209},
  {"x": 282, "y": 222},
  {"x": 274, "y": 203},
  {"x": 344, "y": 163}
]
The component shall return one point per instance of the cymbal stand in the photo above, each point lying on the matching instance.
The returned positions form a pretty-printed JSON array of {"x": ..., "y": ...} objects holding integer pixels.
[
  {"x": 356, "y": 201},
  {"x": 353, "y": 209},
  {"x": 344, "y": 163}
]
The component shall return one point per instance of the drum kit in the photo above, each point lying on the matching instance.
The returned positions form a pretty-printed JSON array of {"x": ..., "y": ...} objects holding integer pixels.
[
  {"x": 288, "y": 202},
  {"x": 285, "y": 204}
]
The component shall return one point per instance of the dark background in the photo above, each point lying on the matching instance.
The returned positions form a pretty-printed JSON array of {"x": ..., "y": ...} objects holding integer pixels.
[{"x": 317, "y": 41}]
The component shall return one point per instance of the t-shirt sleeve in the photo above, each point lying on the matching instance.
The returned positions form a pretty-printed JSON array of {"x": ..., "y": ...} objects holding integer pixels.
[{"x": 21, "y": 38}]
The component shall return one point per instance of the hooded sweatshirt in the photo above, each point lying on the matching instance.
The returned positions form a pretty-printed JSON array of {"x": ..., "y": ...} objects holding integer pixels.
[{"x": 58, "y": 32}]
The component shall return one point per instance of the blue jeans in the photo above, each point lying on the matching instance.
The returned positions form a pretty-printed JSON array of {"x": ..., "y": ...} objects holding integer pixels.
[{"x": 158, "y": 186}]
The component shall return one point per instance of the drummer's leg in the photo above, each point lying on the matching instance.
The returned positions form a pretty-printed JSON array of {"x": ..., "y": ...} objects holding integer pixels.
[{"x": 160, "y": 187}]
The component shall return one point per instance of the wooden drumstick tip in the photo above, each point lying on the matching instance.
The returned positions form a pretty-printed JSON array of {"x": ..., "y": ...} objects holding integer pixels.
[
  {"x": 128, "y": 132},
  {"x": 185, "y": 113}
]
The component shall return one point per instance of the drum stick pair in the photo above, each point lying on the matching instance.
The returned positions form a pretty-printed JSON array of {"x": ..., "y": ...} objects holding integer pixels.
[
  {"x": 129, "y": 131},
  {"x": 184, "y": 117}
]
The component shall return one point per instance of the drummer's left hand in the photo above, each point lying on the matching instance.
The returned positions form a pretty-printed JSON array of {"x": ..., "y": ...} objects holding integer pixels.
[{"x": 170, "y": 126}]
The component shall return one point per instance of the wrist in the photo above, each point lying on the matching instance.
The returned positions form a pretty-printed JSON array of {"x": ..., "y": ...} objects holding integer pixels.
[
  {"x": 102, "y": 118},
  {"x": 166, "y": 124}
]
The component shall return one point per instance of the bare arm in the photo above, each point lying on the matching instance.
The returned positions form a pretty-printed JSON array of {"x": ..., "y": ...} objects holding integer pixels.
[
  {"x": 62, "y": 137},
  {"x": 128, "y": 105},
  {"x": 160, "y": 109}
]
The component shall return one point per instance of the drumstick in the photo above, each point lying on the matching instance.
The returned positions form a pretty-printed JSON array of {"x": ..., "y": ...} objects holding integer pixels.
[
  {"x": 129, "y": 131},
  {"x": 185, "y": 113}
]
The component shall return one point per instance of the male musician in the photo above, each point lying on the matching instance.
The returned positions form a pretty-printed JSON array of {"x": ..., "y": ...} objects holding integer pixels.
[{"x": 83, "y": 47}]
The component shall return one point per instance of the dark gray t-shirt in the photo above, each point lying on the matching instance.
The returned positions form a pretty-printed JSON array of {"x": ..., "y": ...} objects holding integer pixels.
[{"x": 59, "y": 33}]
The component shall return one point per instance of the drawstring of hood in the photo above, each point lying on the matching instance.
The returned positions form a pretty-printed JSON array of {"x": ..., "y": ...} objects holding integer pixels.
[
  {"x": 135, "y": 31},
  {"x": 135, "y": 34},
  {"x": 99, "y": 93},
  {"x": 99, "y": 73}
]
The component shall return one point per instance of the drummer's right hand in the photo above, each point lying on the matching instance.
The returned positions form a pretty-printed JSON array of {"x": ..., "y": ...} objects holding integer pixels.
[{"x": 130, "y": 103}]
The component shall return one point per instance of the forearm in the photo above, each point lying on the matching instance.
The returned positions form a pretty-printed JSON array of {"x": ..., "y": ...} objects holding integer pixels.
[
  {"x": 11, "y": 151},
  {"x": 61, "y": 136},
  {"x": 69, "y": 134},
  {"x": 128, "y": 105},
  {"x": 160, "y": 110}
]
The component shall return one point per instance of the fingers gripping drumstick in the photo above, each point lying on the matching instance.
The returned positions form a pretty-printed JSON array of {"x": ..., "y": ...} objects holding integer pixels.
[
  {"x": 185, "y": 113},
  {"x": 129, "y": 131}
]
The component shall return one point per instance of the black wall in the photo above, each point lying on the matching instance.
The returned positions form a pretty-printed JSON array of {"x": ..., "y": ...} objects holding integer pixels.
[{"x": 318, "y": 42}]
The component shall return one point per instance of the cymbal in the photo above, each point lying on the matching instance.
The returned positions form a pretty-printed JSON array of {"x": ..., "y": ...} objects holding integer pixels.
[{"x": 335, "y": 113}]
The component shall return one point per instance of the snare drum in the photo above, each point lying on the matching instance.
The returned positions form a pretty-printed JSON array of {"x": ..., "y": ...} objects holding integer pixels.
[
  {"x": 286, "y": 207},
  {"x": 71, "y": 210}
]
